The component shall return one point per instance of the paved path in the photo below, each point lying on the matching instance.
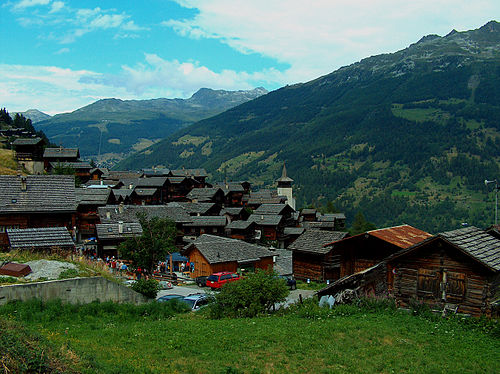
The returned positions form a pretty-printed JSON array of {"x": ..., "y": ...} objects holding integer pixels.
[{"x": 190, "y": 289}]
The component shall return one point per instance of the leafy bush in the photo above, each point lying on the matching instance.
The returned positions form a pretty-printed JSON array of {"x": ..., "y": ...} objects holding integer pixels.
[
  {"x": 69, "y": 273},
  {"x": 255, "y": 294},
  {"x": 148, "y": 288}
]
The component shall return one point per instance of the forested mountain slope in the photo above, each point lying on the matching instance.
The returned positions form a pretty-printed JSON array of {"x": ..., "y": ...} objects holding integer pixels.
[
  {"x": 404, "y": 137},
  {"x": 110, "y": 128}
]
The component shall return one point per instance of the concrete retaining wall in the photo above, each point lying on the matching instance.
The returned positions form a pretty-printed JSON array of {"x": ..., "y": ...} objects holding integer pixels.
[{"x": 76, "y": 290}]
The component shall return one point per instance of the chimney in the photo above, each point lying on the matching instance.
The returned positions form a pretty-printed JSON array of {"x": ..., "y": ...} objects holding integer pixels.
[
  {"x": 120, "y": 208},
  {"x": 120, "y": 227},
  {"x": 130, "y": 186},
  {"x": 24, "y": 187}
]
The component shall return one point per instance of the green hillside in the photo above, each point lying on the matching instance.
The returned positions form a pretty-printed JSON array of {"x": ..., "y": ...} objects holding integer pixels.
[{"x": 404, "y": 137}]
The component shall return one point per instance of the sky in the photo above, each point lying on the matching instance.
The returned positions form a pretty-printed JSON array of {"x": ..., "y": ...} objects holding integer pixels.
[{"x": 60, "y": 55}]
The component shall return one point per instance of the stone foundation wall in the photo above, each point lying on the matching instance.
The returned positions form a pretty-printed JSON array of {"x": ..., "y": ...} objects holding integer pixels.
[{"x": 76, "y": 290}]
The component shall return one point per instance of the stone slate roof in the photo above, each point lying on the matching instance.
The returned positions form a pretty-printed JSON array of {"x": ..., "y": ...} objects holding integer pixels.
[
  {"x": 240, "y": 225},
  {"x": 331, "y": 217},
  {"x": 325, "y": 225},
  {"x": 77, "y": 165},
  {"x": 265, "y": 219},
  {"x": 217, "y": 249},
  {"x": 155, "y": 182},
  {"x": 39, "y": 238},
  {"x": 122, "y": 192},
  {"x": 314, "y": 241},
  {"x": 145, "y": 191},
  {"x": 27, "y": 141},
  {"x": 194, "y": 208},
  {"x": 293, "y": 230},
  {"x": 61, "y": 153},
  {"x": 156, "y": 172},
  {"x": 228, "y": 187},
  {"x": 204, "y": 221},
  {"x": 106, "y": 231},
  {"x": 129, "y": 213},
  {"x": 118, "y": 175},
  {"x": 92, "y": 196},
  {"x": 232, "y": 211},
  {"x": 44, "y": 194},
  {"x": 176, "y": 180},
  {"x": 189, "y": 173},
  {"x": 283, "y": 264},
  {"x": 476, "y": 243},
  {"x": 308, "y": 211},
  {"x": 274, "y": 209},
  {"x": 202, "y": 194}
]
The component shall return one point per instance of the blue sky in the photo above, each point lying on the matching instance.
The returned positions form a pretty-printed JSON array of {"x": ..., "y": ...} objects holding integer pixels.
[{"x": 58, "y": 55}]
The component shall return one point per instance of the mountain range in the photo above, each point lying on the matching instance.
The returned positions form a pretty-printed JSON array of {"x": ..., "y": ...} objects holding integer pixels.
[
  {"x": 405, "y": 137},
  {"x": 109, "y": 129}
]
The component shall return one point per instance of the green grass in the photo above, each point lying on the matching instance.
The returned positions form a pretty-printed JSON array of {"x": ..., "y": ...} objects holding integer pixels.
[{"x": 110, "y": 338}]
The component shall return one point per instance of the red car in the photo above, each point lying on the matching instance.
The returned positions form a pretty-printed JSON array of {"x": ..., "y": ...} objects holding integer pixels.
[{"x": 217, "y": 280}]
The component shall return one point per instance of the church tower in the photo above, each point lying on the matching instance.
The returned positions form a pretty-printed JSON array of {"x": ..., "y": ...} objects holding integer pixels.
[{"x": 285, "y": 187}]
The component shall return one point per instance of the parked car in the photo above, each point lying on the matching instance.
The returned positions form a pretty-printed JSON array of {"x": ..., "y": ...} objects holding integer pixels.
[
  {"x": 169, "y": 297},
  {"x": 290, "y": 281},
  {"x": 198, "y": 300},
  {"x": 201, "y": 281},
  {"x": 217, "y": 280},
  {"x": 165, "y": 285},
  {"x": 129, "y": 282}
]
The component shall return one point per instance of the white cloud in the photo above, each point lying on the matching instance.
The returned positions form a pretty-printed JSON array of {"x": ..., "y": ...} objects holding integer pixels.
[
  {"x": 66, "y": 90},
  {"x": 62, "y": 51},
  {"x": 319, "y": 36},
  {"x": 56, "y": 6},
  {"x": 23, "y": 4}
]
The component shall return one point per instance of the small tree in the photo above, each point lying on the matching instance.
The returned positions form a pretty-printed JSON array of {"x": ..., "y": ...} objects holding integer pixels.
[
  {"x": 255, "y": 294},
  {"x": 361, "y": 225},
  {"x": 155, "y": 243}
]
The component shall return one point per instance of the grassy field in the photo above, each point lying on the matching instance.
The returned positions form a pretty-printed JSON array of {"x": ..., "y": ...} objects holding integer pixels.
[{"x": 110, "y": 338}]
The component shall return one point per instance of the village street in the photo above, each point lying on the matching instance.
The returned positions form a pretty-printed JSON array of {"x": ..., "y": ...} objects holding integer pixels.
[{"x": 186, "y": 290}]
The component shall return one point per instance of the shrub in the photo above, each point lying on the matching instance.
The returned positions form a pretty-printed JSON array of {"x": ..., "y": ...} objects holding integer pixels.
[
  {"x": 255, "y": 294},
  {"x": 148, "y": 288},
  {"x": 68, "y": 273}
]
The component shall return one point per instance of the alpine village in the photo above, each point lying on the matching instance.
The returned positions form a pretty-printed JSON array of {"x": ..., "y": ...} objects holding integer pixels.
[{"x": 346, "y": 224}]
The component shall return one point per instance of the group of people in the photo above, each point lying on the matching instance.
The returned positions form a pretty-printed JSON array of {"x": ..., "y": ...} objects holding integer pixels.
[
  {"x": 116, "y": 266},
  {"x": 188, "y": 266}
]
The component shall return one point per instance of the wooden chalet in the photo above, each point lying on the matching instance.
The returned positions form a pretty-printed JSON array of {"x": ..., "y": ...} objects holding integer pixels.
[
  {"x": 145, "y": 196},
  {"x": 42, "y": 239},
  {"x": 362, "y": 251},
  {"x": 308, "y": 215},
  {"x": 97, "y": 174},
  {"x": 88, "y": 201},
  {"x": 233, "y": 193},
  {"x": 198, "y": 176},
  {"x": 81, "y": 169},
  {"x": 29, "y": 154},
  {"x": 211, "y": 254},
  {"x": 35, "y": 201},
  {"x": 156, "y": 172},
  {"x": 313, "y": 259},
  {"x": 198, "y": 209},
  {"x": 206, "y": 195},
  {"x": 205, "y": 225},
  {"x": 179, "y": 188},
  {"x": 284, "y": 210},
  {"x": 242, "y": 230},
  {"x": 111, "y": 235},
  {"x": 131, "y": 213},
  {"x": 59, "y": 155},
  {"x": 235, "y": 213},
  {"x": 332, "y": 222},
  {"x": 260, "y": 197},
  {"x": 456, "y": 271},
  {"x": 149, "y": 191},
  {"x": 270, "y": 227}
]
